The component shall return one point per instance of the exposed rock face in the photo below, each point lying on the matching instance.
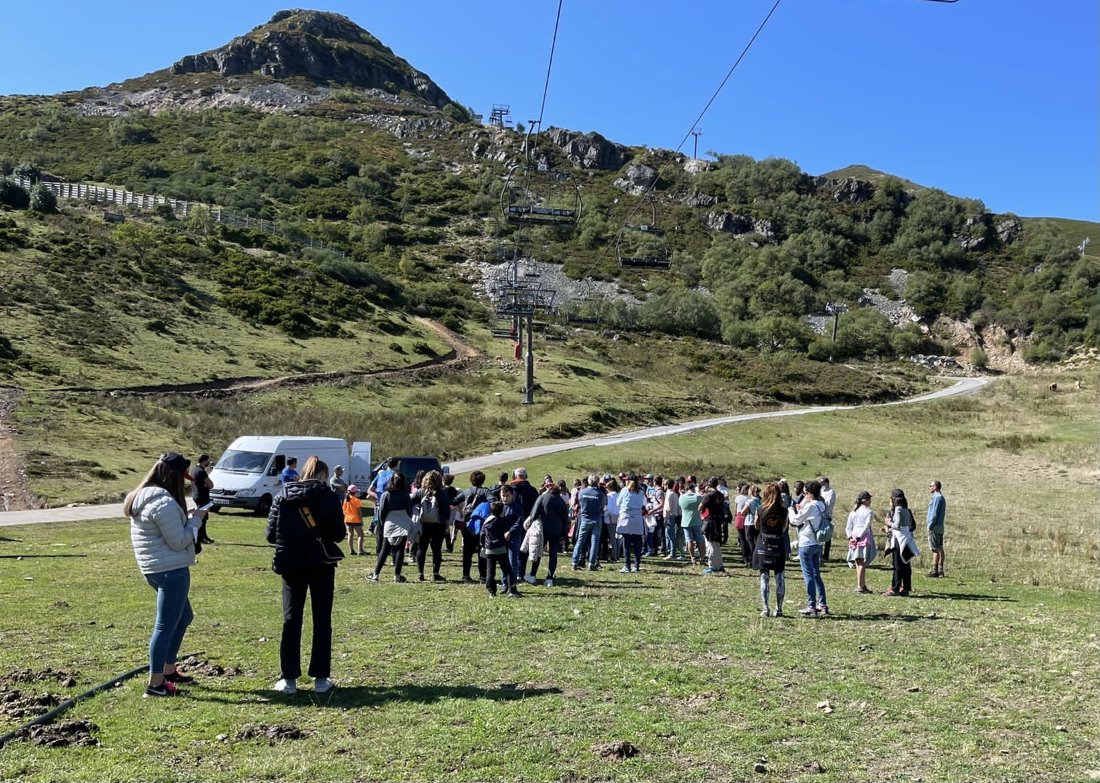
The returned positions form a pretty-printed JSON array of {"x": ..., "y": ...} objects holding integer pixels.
[
  {"x": 976, "y": 234},
  {"x": 700, "y": 200},
  {"x": 1008, "y": 230},
  {"x": 852, "y": 191},
  {"x": 637, "y": 179},
  {"x": 740, "y": 224},
  {"x": 321, "y": 47},
  {"x": 588, "y": 150}
]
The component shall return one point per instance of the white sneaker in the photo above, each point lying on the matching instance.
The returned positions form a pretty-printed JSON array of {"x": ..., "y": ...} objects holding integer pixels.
[
  {"x": 549, "y": 583},
  {"x": 624, "y": 570},
  {"x": 285, "y": 687},
  {"x": 530, "y": 579},
  {"x": 322, "y": 685}
]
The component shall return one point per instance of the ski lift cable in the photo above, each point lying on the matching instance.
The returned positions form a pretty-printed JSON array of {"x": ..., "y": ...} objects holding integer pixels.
[{"x": 549, "y": 68}]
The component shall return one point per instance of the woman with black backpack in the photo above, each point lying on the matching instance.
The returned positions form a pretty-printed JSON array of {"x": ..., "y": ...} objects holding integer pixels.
[
  {"x": 306, "y": 525},
  {"x": 770, "y": 553},
  {"x": 900, "y": 524}
]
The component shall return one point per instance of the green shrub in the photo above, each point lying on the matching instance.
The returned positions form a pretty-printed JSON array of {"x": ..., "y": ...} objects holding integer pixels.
[
  {"x": 42, "y": 200},
  {"x": 13, "y": 194}
]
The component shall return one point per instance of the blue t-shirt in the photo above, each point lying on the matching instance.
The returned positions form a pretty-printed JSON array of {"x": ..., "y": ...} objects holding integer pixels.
[
  {"x": 288, "y": 475},
  {"x": 381, "y": 480}
]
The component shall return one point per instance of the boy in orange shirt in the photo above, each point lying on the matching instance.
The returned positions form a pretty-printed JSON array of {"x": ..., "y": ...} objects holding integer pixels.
[{"x": 353, "y": 518}]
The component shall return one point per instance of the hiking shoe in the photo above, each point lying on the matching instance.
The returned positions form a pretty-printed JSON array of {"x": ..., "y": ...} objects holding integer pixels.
[
  {"x": 823, "y": 610},
  {"x": 287, "y": 687},
  {"x": 576, "y": 567},
  {"x": 323, "y": 685},
  {"x": 862, "y": 591},
  {"x": 163, "y": 690},
  {"x": 934, "y": 574},
  {"x": 809, "y": 611},
  {"x": 438, "y": 578},
  {"x": 420, "y": 578},
  {"x": 372, "y": 577},
  {"x": 399, "y": 578},
  {"x": 594, "y": 567},
  {"x": 176, "y": 678},
  {"x": 549, "y": 582}
]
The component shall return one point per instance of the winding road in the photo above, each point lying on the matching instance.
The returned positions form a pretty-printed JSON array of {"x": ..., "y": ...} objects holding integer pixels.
[{"x": 514, "y": 456}]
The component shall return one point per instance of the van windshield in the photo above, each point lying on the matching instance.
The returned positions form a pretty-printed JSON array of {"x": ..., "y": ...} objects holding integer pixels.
[{"x": 244, "y": 461}]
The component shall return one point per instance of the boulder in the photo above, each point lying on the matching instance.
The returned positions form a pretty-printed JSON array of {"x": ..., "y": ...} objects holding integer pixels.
[
  {"x": 637, "y": 179},
  {"x": 698, "y": 199},
  {"x": 588, "y": 150},
  {"x": 976, "y": 233}
]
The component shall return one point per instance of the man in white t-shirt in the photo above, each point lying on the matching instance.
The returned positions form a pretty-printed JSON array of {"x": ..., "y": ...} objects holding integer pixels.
[{"x": 828, "y": 497}]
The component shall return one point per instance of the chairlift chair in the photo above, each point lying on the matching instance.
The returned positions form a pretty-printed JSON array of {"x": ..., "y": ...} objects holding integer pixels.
[{"x": 644, "y": 245}]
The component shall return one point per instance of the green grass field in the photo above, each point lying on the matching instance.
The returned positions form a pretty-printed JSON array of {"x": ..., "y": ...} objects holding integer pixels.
[{"x": 986, "y": 675}]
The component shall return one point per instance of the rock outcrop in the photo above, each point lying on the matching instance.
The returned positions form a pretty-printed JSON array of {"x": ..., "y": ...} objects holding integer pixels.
[
  {"x": 851, "y": 190},
  {"x": 1008, "y": 230},
  {"x": 588, "y": 150},
  {"x": 637, "y": 179},
  {"x": 740, "y": 224},
  {"x": 976, "y": 234},
  {"x": 324, "y": 48}
]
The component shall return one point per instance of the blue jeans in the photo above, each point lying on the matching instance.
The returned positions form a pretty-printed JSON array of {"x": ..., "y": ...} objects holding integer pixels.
[
  {"x": 810, "y": 559},
  {"x": 514, "y": 559},
  {"x": 672, "y": 535},
  {"x": 173, "y": 616},
  {"x": 588, "y": 535}
]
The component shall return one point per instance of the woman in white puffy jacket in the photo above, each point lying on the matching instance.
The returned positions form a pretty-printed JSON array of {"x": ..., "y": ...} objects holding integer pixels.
[{"x": 164, "y": 545}]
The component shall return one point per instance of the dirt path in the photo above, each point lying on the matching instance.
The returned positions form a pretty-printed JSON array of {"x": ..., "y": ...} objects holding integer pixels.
[
  {"x": 13, "y": 485},
  {"x": 456, "y": 358}
]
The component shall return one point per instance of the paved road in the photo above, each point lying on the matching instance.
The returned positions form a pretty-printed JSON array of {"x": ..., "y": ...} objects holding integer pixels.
[{"x": 516, "y": 456}]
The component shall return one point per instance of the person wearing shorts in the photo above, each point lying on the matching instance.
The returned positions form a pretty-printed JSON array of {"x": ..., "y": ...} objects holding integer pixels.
[
  {"x": 937, "y": 514},
  {"x": 353, "y": 519}
]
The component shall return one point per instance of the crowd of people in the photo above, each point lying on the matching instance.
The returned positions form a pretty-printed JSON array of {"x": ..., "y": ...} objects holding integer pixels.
[{"x": 511, "y": 525}]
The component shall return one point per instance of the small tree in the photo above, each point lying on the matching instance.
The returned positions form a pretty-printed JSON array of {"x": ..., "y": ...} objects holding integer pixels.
[
  {"x": 979, "y": 358},
  {"x": 43, "y": 200},
  {"x": 13, "y": 194},
  {"x": 925, "y": 293},
  {"x": 28, "y": 170}
]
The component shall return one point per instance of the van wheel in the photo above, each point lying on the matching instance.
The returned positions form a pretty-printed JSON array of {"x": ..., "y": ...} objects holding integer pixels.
[
  {"x": 215, "y": 509},
  {"x": 263, "y": 508}
]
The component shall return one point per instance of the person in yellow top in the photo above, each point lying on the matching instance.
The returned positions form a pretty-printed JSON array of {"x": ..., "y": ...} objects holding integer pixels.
[{"x": 353, "y": 518}]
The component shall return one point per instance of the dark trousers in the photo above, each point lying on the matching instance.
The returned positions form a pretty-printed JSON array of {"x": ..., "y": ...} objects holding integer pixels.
[
  {"x": 471, "y": 548},
  {"x": 376, "y": 528},
  {"x": 205, "y": 518},
  {"x": 432, "y": 535},
  {"x": 632, "y": 542},
  {"x": 505, "y": 571},
  {"x": 825, "y": 551},
  {"x": 320, "y": 582},
  {"x": 750, "y": 539},
  {"x": 395, "y": 548},
  {"x": 746, "y": 550},
  {"x": 536, "y": 557},
  {"x": 903, "y": 574}
]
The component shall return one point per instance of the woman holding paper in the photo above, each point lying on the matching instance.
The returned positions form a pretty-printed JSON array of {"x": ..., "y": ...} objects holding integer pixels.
[{"x": 164, "y": 545}]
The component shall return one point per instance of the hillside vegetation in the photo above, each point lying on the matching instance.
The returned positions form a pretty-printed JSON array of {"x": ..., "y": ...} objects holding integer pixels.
[{"x": 407, "y": 190}]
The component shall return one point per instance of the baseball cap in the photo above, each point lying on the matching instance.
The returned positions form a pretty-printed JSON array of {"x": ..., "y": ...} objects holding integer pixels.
[
  {"x": 863, "y": 495},
  {"x": 353, "y": 489}
]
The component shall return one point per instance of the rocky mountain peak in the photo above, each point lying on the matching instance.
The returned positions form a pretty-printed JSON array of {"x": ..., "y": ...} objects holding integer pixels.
[{"x": 317, "y": 47}]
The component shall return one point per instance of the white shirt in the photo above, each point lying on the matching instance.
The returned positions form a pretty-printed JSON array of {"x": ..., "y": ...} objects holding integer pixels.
[
  {"x": 859, "y": 522},
  {"x": 828, "y": 497},
  {"x": 808, "y": 521}
]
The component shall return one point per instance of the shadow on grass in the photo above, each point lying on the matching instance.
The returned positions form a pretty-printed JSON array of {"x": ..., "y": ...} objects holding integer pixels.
[
  {"x": 6, "y": 540},
  {"x": 234, "y": 543},
  {"x": 966, "y": 597},
  {"x": 878, "y": 617},
  {"x": 27, "y": 557},
  {"x": 356, "y": 696}
]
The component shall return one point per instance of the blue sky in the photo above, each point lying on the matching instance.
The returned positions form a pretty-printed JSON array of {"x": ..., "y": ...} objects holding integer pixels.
[{"x": 989, "y": 99}]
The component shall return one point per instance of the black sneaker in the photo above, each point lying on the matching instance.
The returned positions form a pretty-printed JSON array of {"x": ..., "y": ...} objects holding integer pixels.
[
  {"x": 163, "y": 690},
  {"x": 513, "y": 593},
  {"x": 468, "y": 581},
  {"x": 400, "y": 578},
  {"x": 420, "y": 578},
  {"x": 438, "y": 578},
  {"x": 178, "y": 679}
]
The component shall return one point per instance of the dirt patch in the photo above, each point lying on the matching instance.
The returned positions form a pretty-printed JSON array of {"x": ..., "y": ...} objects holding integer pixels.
[
  {"x": 68, "y": 734},
  {"x": 615, "y": 751},
  {"x": 272, "y": 734},
  {"x": 65, "y": 679},
  {"x": 13, "y": 478},
  {"x": 17, "y": 704},
  {"x": 193, "y": 665}
]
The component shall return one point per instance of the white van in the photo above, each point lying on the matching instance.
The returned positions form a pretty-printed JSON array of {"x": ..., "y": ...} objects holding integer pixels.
[{"x": 247, "y": 474}]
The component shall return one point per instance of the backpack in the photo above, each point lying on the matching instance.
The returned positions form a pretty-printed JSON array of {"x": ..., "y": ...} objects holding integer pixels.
[
  {"x": 825, "y": 532},
  {"x": 429, "y": 509},
  {"x": 770, "y": 553}
]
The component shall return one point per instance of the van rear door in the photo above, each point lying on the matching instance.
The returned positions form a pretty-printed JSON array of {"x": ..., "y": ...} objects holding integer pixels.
[{"x": 359, "y": 469}]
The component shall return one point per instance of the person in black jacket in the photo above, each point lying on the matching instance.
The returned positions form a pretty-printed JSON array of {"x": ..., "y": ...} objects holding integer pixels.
[
  {"x": 306, "y": 525},
  {"x": 526, "y": 493},
  {"x": 434, "y": 505},
  {"x": 551, "y": 511},
  {"x": 496, "y": 531}
]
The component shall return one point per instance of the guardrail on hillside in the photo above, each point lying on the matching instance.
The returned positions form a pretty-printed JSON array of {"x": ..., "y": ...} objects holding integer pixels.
[{"x": 82, "y": 191}]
